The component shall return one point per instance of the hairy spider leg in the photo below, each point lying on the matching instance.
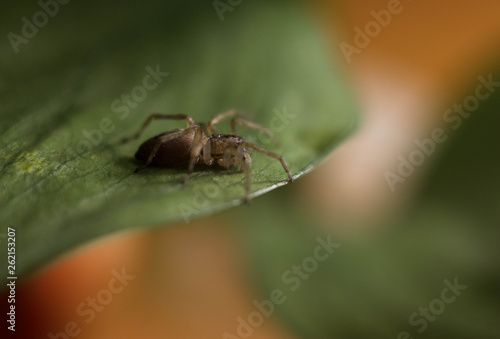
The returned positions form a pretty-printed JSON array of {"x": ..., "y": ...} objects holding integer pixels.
[
  {"x": 219, "y": 117},
  {"x": 241, "y": 121},
  {"x": 243, "y": 159},
  {"x": 200, "y": 139},
  {"x": 270, "y": 154},
  {"x": 165, "y": 138},
  {"x": 253, "y": 125},
  {"x": 207, "y": 146},
  {"x": 156, "y": 116},
  {"x": 245, "y": 166}
]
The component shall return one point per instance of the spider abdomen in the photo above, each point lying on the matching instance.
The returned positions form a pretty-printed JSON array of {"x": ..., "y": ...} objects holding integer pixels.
[{"x": 169, "y": 153}]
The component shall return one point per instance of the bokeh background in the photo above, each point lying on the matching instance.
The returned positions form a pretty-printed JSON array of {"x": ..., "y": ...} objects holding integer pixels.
[{"x": 396, "y": 248}]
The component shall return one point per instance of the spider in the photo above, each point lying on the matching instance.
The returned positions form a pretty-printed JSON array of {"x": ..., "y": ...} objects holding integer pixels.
[{"x": 202, "y": 143}]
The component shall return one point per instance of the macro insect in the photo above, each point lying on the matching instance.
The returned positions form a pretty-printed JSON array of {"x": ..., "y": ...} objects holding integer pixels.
[{"x": 202, "y": 143}]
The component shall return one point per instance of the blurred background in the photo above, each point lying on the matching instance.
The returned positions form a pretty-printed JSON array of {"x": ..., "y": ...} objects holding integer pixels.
[{"x": 396, "y": 251}]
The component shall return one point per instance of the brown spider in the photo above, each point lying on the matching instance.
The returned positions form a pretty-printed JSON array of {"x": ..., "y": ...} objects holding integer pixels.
[{"x": 200, "y": 143}]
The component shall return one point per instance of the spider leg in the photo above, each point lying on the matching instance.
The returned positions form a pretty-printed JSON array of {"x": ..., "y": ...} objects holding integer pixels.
[
  {"x": 204, "y": 128},
  {"x": 239, "y": 157},
  {"x": 253, "y": 125},
  {"x": 199, "y": 141},
  {"x": 161, "y": 140},
  {"x": 245, "y": 166},
  {"x": 207, "y": 147},
  {"x": 228, "y": 154},
  {"x": 270, "y": 154},
  {"x": 218, "y": 117},
  {"x": 189, "y": 121}
]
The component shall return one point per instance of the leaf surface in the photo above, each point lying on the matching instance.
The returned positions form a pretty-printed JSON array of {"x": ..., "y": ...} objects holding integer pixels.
[{"x": 86, "y": 80}]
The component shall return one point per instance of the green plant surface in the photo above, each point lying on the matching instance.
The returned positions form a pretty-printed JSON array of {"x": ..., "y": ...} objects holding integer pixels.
[{"x": 64, "y": 177}]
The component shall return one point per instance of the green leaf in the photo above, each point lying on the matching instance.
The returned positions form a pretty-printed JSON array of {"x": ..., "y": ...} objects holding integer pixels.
[{"x": 77, "y": 87}]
